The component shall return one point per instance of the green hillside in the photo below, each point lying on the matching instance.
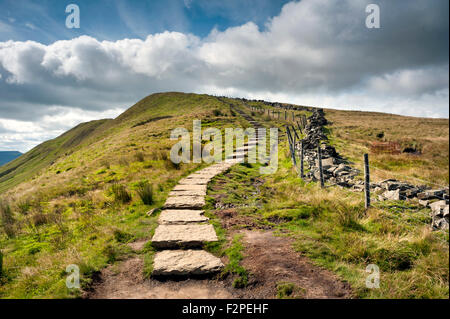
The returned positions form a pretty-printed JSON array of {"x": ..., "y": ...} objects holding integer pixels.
[
  {"x": 45, "y": 154},
  {"x": 63, "y": 189},
  {"x": 82, "y": 197}
]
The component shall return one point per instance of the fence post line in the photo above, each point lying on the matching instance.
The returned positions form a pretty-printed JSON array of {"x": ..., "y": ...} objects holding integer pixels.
[
  {"x": 319, "y": 157},
  {"x": 366, "y": 181}
]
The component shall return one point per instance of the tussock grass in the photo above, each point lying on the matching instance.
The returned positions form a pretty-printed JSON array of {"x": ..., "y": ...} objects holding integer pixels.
[
  {"x": 345, "y": 238},
  {"x": 234, "y": 267},
  {"x": 1, "y": 264},
  {"x": 139, "y": 156},
  {"x": 216, "y": 112},
  {"x": 352, "y": 132},
  {"x": 145, "y": 192},
  {"x": 332, "y": 228},
  {"x": 288, "y": 290},
  {"x": 7, "y": 219},
  {"x": 120, "y": 193}
]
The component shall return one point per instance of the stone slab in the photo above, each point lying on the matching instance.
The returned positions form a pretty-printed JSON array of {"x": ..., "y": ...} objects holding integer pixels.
[
  {"x": 202, "y": 176},
  {"x": 185, "y": 262},
  {"x": 175, "y": 236},
  {"x": 194, "y": 202},
  {"x": 189, "y": 187},
  {"x": 181, "y": 216},
  {"x": 217, "y": 170},
  {"x": 210, "y": 172},
  {"x": 195, "y": 192},
  {"x": 194, "y": 181},
  {"x": 207, "y": 172}
]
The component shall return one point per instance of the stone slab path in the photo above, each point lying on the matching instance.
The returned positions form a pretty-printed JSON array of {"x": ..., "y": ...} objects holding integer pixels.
[
  {"x": 183, "y": 229},
  {"x": 181, "y": 217},
  {"x": 182, "y": 236},
  {"x": 185, "y": 262}
]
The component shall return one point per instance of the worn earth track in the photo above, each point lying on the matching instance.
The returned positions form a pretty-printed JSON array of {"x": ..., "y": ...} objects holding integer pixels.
[{"x": 180, "y": 260}]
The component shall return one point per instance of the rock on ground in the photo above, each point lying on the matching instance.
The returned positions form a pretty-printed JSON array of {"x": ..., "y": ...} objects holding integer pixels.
[
  {"x": 174, "y": 236},
  {"x": 185, "y": 202},
  {"x": 185, "y": 262},
  {"x": 181, "y": 216}
]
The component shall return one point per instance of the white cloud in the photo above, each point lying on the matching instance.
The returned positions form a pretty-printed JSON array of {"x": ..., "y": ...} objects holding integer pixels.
[
  {"x": 23, "y": 135},
  {"x": 315, "y": 52}
]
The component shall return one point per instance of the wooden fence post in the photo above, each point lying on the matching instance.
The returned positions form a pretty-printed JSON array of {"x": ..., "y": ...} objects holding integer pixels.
[
  {"x": 288, "y": 133},
  {"x": 299, "y": 127},
  {"x": 366, "y": 181},
  {"x": 296, "y": 135},
  {"x": 294, "y": 138},
  {"x": 301, "y": 161},
  {"x": 319, "y": 157}
]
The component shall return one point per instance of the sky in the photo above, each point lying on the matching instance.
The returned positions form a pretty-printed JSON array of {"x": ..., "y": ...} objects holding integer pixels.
[{"x": 308, "y": 52}]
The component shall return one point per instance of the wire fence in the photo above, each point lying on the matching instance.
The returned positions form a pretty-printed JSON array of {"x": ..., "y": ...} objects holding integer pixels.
[
  {"x": 408, "y": 177},
  {"x": 293, "y": 138}
]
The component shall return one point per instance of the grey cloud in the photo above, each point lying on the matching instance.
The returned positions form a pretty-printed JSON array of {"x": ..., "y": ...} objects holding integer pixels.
[{"x": 315, "y": 51}]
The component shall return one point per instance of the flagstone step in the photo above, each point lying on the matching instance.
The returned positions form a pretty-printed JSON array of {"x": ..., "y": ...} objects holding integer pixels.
[
  {"x": 194, "y": 202},
  {"x": 194, "y": 192},
  {"x": 194, "y": 181},
  {"x": 181, "y": 216},
  {"x": 185, "y": 262},
  {"x": 188, "y": 236},
  {"x": 190, "y": 187}
]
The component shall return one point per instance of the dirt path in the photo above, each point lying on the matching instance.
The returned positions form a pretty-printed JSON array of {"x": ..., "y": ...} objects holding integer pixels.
[
  {"x": 126, "y": 281},
  {"x": 271, "y": 259}
]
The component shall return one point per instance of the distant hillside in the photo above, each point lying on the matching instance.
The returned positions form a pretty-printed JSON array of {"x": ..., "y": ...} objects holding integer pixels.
[
  {"x": 26, "y": 166},
  {"x": 8, "y": 156},
  {"x": 80, "y": 139}
]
